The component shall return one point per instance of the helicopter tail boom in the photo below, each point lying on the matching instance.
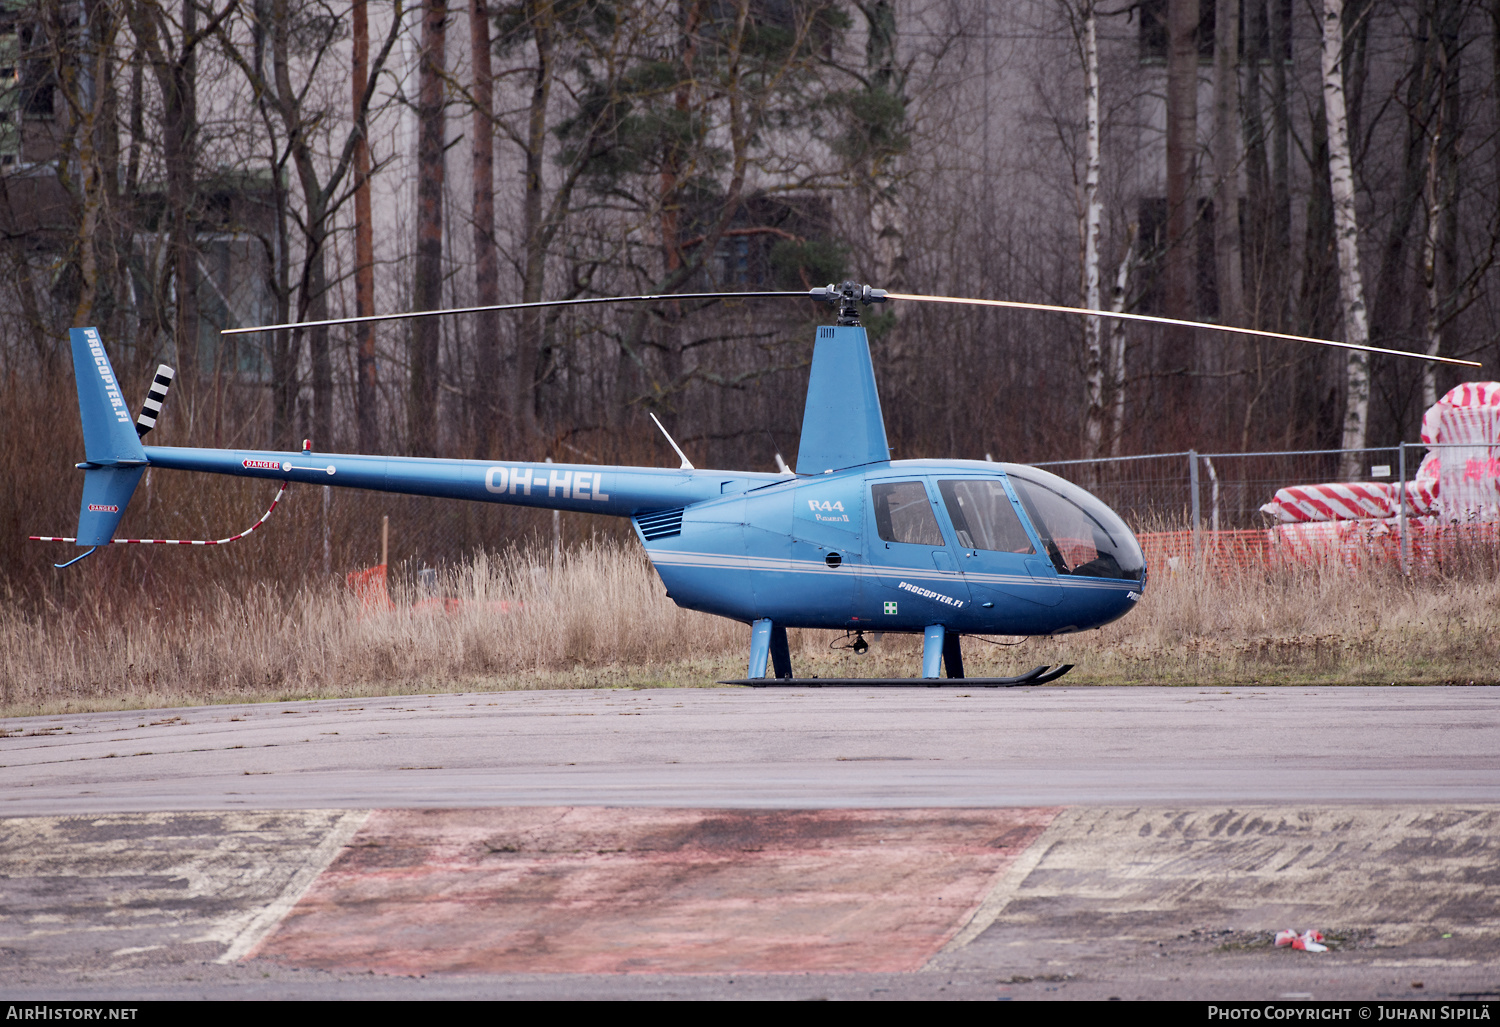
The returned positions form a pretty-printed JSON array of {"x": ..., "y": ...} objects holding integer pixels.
[{"x": 579, "y": 488}]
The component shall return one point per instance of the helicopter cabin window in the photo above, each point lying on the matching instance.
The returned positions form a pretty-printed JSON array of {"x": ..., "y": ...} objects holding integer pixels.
[
  {"x": 983, "y": 517},
  {"x": 903, "y": 513},
  {"x": 1081, "y": 535}
]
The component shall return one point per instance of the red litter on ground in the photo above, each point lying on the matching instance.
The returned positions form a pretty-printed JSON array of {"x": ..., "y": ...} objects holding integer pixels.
[{"x": 1307, "y": 941}]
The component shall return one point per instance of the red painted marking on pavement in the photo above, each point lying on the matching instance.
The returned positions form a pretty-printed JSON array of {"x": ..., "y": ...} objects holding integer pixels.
[{"x": 590, "y": 890}]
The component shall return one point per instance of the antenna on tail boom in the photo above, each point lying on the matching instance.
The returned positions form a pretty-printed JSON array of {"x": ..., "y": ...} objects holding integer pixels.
[{"x": 687, "y": 465}]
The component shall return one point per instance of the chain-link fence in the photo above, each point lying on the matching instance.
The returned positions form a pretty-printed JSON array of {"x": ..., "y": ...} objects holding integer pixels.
[{"x": 1207, "y": 508}]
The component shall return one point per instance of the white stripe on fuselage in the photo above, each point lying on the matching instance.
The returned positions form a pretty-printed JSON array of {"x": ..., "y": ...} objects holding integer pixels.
[{"x": 788, "y": 565}]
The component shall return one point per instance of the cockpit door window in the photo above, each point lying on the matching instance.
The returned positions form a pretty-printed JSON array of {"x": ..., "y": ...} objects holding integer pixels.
[
  {"x": 983, "y": 517},
  {"x": 903, "y": 513}
]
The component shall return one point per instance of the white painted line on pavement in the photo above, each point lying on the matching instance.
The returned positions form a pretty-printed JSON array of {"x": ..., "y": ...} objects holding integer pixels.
[
  {"x": 1007, "y": 884},
  {"x": 264, "y": 922}
]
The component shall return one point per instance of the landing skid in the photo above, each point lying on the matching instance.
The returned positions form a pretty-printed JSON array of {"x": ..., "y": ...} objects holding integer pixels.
[{"x": 1035, "y": 676}]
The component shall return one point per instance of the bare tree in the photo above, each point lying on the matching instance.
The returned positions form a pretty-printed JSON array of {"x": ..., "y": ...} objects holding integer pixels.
[
  {"x": 1093, "y": 212},
  {"x": 538, "y": 230},
  {"x": 1230, "y": 275},
  {"x": 1182, "y": 149},
  {"x": 486, "y": 253},
  {"x": 322, "y": 194},
  {"x": 1351, "y": 289},
  {"x": 427, "y": 287},
  {"x": 173, "y": 60},
  {"x": 366, "y": 392},
  {"x": 1119, "y": 303}
]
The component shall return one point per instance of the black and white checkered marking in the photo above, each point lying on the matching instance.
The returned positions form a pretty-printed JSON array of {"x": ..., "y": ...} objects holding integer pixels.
[{"x": 151, "y": 409}]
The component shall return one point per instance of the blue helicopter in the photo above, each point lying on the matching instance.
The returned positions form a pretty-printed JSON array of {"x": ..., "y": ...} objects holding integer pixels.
[{"x": 850, "y": 541}]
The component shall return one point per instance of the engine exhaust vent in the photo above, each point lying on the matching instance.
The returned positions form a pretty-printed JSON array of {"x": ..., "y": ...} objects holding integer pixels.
[{"x": 659, "y": 524}]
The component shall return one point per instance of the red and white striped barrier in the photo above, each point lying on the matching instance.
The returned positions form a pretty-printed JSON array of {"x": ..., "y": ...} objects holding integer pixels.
[
  {"x": 1422, "y": 497},
  {"x": 178, "y": 541},
  {"x": 1468, "y": 395},
  {"x": 1333, "y": 502},
  {"x": 1356, "y": 501},
  {"x": 1469, "y": 477}
]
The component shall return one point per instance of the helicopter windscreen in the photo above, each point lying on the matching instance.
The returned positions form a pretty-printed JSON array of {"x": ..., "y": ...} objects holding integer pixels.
[{"x": 1082, "y": 536}]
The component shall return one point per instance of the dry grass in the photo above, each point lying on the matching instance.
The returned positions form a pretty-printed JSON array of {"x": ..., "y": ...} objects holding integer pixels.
[{"x": 601, "y": 619}]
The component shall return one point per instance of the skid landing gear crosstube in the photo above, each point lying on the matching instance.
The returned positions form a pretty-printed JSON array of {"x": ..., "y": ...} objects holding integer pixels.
[
  {"x": 940, "y": 650},
  {"x": 1035, "y": 676}
]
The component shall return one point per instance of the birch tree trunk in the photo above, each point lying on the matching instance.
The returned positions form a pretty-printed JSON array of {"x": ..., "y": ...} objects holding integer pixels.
[
  {"x": 1440, "y": 194},
  {"x": 1432, "y": 195},
  {"x": 887, "y": 211},
  {"x": 1093, "y": 328},
  {"x": 1118, "y": 300},
  {"x": 1346, "y": 237}
]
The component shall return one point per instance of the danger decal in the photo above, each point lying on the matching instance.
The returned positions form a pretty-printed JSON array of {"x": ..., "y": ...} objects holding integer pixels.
[
  {"x": 103, "y": 508},
  {"x": 252, "y": 464}
]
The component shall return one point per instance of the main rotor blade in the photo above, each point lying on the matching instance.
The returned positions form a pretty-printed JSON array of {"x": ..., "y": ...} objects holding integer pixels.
[
  {"x": 516, "y": 306},
  {"x": 1226, "y": 329}
]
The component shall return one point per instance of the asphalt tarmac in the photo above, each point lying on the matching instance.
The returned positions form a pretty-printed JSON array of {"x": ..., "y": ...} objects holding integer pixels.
[
  {"x": 751, "y": 748},
  {"x": 1043, "y": 843}
]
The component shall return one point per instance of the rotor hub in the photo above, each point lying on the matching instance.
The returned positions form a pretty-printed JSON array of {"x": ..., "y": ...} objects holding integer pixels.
[{"x": 848, "y": 297}]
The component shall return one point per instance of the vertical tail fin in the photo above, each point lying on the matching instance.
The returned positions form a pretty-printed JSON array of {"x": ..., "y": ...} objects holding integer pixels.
[
  {"x": 115, "y": 459},
  {"x": 841, "y": 425}
]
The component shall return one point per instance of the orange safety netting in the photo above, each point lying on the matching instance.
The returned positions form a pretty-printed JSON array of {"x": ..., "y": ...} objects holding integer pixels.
[
  {"x": 1350, "y": 544},
  {"x": 1239, "y": 549},
  {"x": 369, "y": 586}
]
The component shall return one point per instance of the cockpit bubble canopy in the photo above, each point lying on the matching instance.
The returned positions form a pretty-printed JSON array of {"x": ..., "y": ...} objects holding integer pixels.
[{"x": 1080, "y": 535}]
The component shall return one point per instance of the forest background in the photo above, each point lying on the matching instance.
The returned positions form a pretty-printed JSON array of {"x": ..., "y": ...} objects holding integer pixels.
[{"x": 168, "y": 169}]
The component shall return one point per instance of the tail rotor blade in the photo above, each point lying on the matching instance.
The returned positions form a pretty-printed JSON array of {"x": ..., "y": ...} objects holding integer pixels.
[{"x": 155, "y": 397}]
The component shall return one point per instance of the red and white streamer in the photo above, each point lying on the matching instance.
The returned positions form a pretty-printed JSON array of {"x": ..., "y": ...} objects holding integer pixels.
[{"x": 179, "y": 541}]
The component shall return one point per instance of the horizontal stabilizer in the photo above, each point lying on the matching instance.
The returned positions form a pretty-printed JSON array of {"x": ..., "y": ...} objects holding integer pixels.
[
  {"x": 106, "y": 493},
  {"x": 841, "y": 425}
]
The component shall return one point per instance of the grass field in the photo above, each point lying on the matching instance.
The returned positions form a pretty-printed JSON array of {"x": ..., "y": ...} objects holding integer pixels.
[{"x": 600, "y": 618}]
